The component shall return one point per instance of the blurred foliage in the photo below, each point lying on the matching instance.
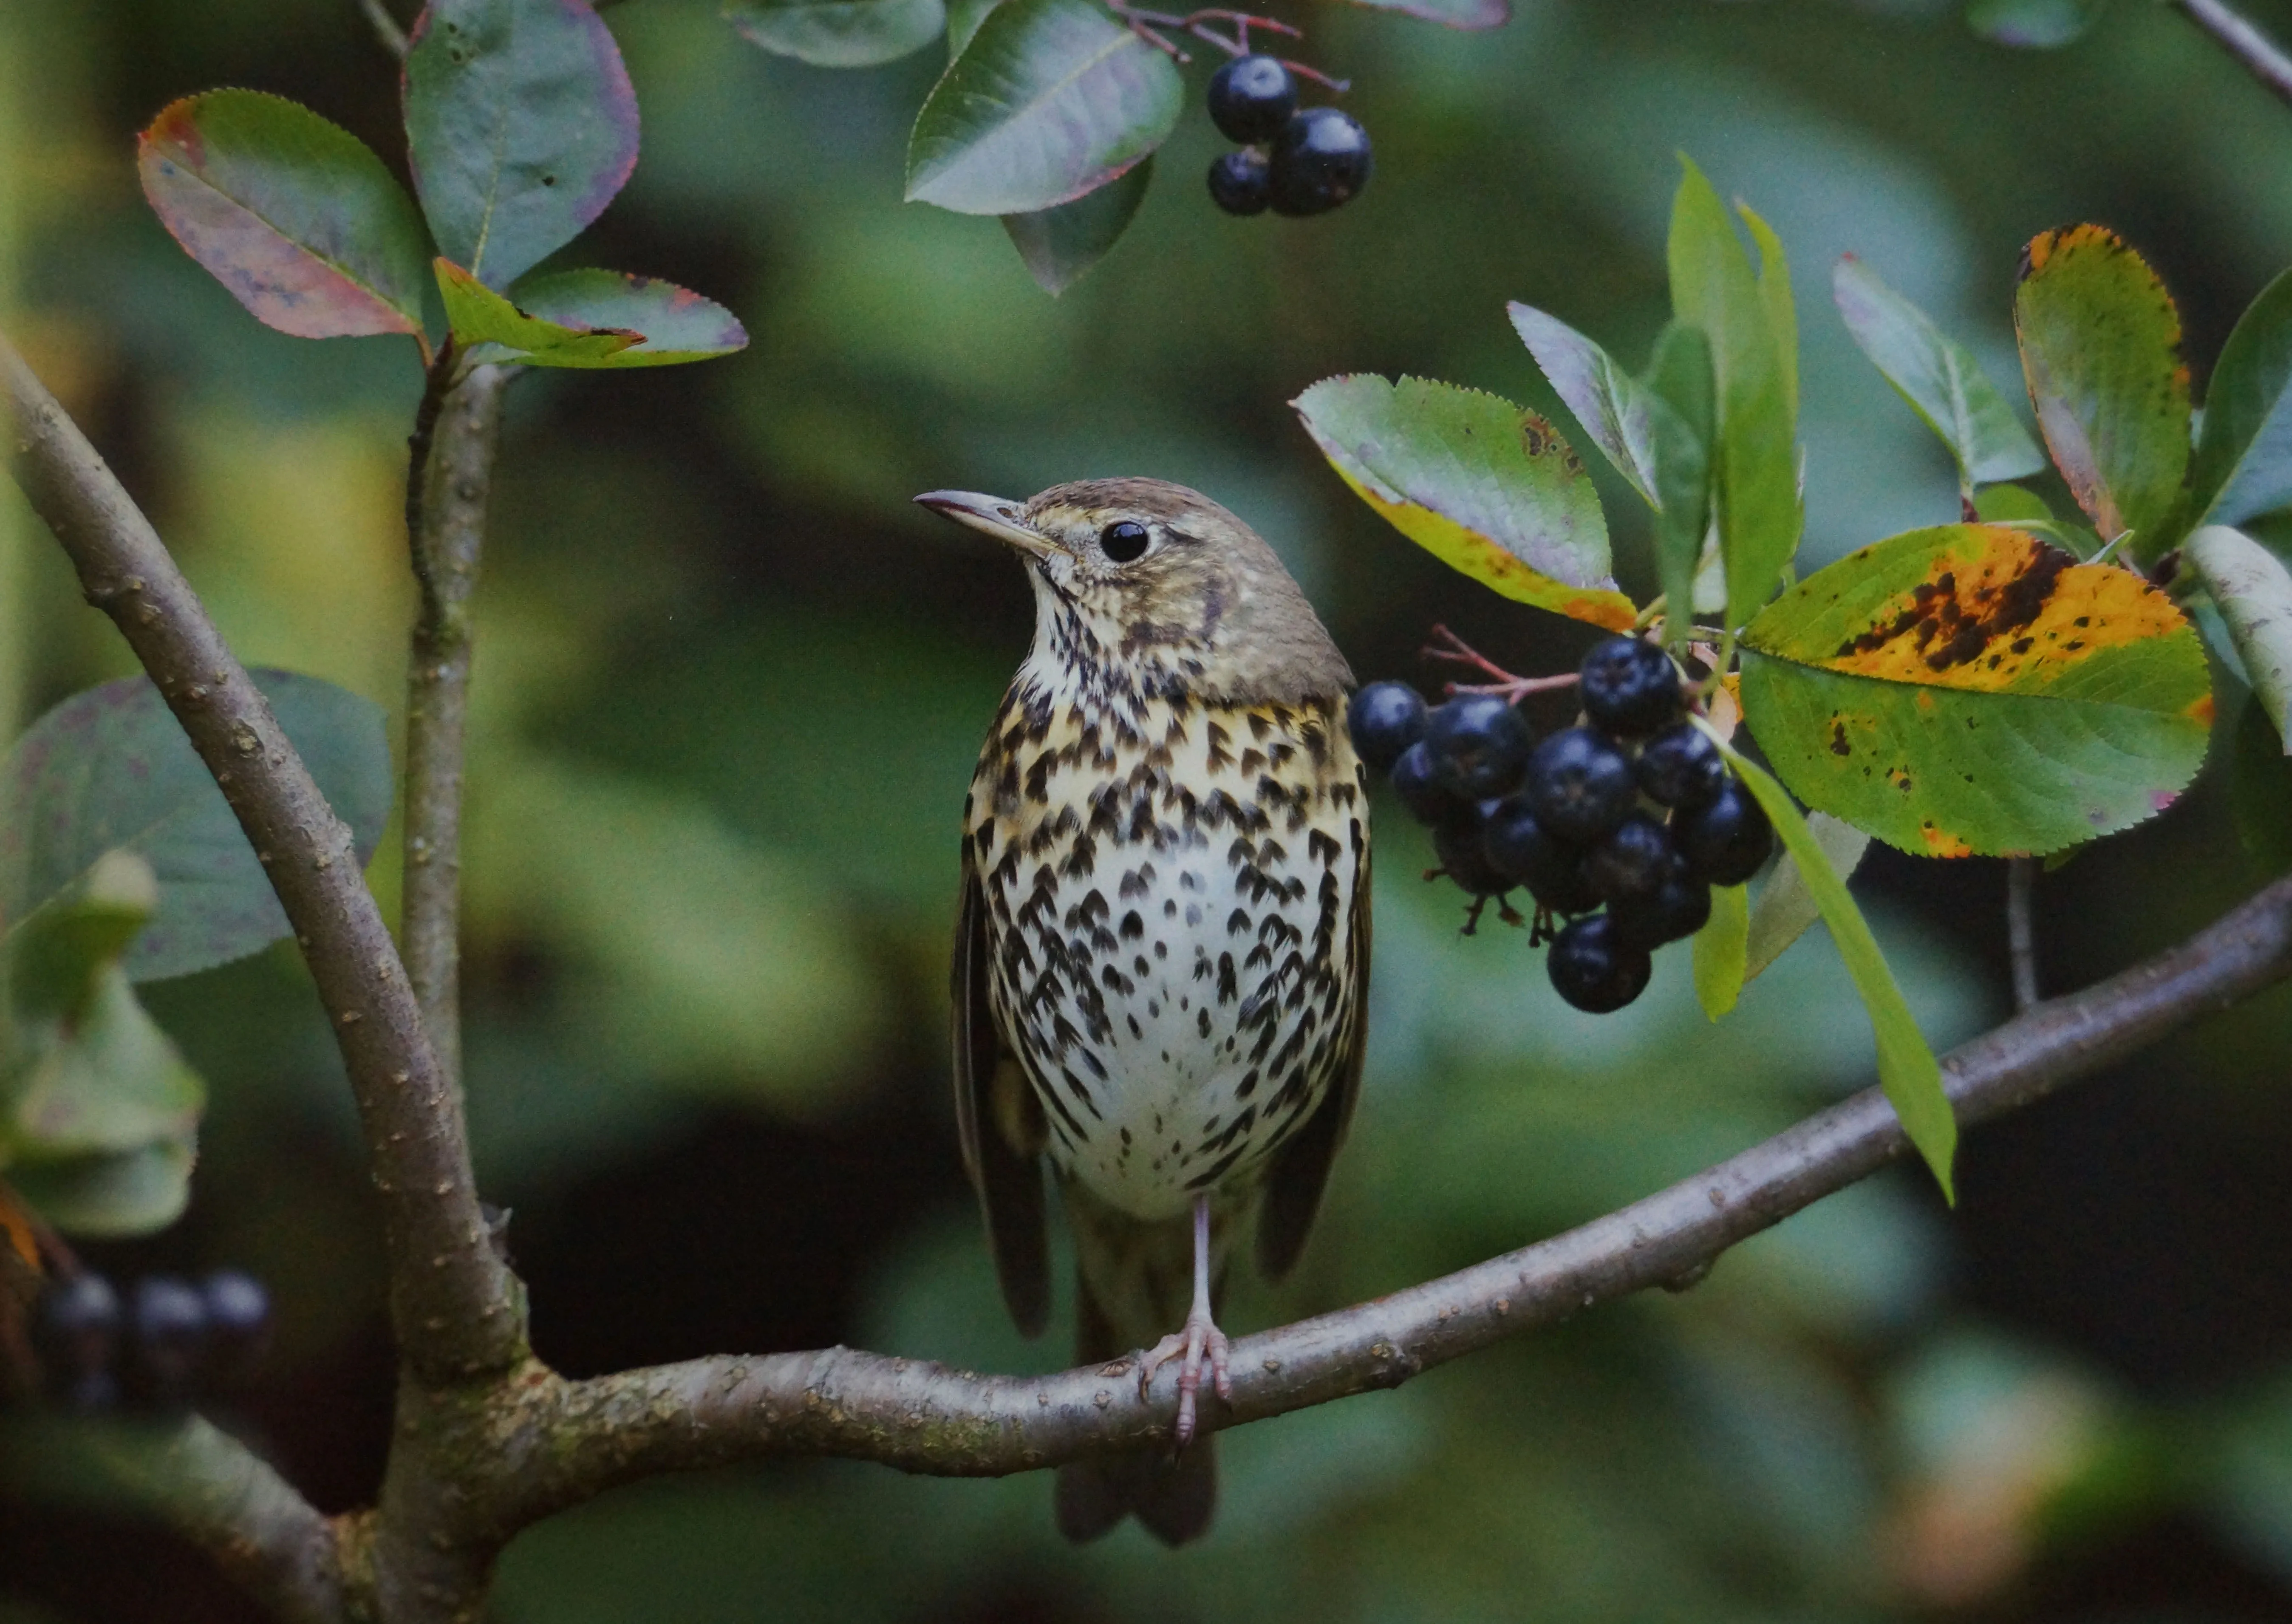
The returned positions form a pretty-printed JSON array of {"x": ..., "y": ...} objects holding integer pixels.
[{"x": 729, "y": 686}]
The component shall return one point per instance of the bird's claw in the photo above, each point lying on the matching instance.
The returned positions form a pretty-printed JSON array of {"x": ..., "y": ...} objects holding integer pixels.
[{"x": 1197, "y": 1340}]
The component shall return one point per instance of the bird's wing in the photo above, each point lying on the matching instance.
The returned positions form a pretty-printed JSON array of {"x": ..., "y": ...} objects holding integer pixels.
[
  {"x": 1300, "y": 1169},
  {"x": 1000, "y": 1123}
]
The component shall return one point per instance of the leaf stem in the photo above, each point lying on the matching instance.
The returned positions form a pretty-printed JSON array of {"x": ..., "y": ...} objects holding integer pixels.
[
  {"x": 386, "y": 27},
  {"x": 2262, "y": 57}
]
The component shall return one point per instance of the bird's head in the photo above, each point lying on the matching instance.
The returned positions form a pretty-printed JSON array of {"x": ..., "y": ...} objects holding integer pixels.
[{"x": 1160, "y": 583}]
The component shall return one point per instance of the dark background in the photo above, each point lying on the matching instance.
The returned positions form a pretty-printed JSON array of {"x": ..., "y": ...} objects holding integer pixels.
[{"x": 729, "y": 687}]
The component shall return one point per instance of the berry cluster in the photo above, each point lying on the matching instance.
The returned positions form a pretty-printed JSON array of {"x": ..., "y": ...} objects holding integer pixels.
[
  {"x": 1292, "y": 160},
  {"x": 1633, "y": 809},
  {"x": 170, "y": 1341}
]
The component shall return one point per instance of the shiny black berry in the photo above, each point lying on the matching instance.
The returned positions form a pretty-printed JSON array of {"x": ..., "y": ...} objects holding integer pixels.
[
  {"x": 1251, "y": 98},
  {"x": 1524, "y": 851},
  {"x": 1385, "y": 718},
  {"x": 1631, "y": 860},
  {"x": 1321, "y": 160},
  {"x": 77, "y": 1329},
  {"x": 1240, "y": 182},
  {"x": 168, "y": 1335},
  {"x": 1673, "y": 911},
  {"x": 1681, "y": 767},
  {"x": 238, "y": 1323},
  {"x": 1429, "y": 800},
  {"x": 1593, "y": 968},
  {"x": 1725, "y": 842},
  {"x": 1579, "y": 784},
  {"x": 1629, "y": 686},
  {"x": 1479, "y": 744},
  {"x": 1458, "y": 846}
]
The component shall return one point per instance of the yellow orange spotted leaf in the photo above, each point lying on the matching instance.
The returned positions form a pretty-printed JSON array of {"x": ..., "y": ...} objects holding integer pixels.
[
  {"x": 1968, "y": 690},
  {"x": 1487, "y": 487}
]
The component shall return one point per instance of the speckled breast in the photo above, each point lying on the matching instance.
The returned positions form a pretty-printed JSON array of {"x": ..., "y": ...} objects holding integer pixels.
[{"x": 1168, "y": 891}]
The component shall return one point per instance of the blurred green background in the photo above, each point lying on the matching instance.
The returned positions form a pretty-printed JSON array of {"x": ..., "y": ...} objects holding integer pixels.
[{"x": 730, "y": 687}]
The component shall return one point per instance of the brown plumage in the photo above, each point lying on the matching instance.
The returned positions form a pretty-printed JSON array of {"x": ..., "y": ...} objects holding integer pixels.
[{"x": 1164, "y": 940}]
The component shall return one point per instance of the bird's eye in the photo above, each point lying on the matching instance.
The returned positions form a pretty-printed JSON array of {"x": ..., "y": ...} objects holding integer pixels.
[{"x": 1124, "y": 540}]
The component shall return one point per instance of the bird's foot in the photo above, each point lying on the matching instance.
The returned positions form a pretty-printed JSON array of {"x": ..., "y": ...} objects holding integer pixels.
[{"x": 1200, "y": 1340}]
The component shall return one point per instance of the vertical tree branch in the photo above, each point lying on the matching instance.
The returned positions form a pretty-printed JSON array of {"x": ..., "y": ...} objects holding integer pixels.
[
  {"x": 2241, "y": 39},
  {"x": 452, "y": 1303},
  {"x": 2020, "y": 931},
  {"x": 448, "y": 479},
  {"x": 386, "y": 27}
]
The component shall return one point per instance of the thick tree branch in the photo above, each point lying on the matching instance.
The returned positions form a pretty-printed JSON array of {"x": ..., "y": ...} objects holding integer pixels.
[
  {"x": 926, "y": 1418},
  {"x": 2261, "y": 56},
  {"x": 452, "y": 1303},
  {"x": 449, "y": 477}
]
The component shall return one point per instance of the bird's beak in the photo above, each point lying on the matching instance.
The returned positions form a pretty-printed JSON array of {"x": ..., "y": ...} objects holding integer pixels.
[{"x": 996, "y": 516}]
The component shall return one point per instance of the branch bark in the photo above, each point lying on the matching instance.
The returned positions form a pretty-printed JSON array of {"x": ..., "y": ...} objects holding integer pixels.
[
  {"x": 450, "y": 479},
  {"x": 452, "y": 1303},
  {"x": 2235, "y": 34},
  {"x": 2022, "y": 928}
]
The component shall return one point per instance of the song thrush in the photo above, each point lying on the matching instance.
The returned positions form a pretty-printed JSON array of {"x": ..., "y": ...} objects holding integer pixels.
[{"x": 1164, "y": 940}]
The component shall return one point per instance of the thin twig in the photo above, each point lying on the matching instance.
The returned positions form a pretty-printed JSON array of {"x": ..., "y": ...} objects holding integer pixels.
[
  {"x": 2260, "y": 55},
  {"x": 386, "y": 27},
  {"x": 449, "y": 478},
  {"x": 452, "y": 1302},
  {"x": 2020, "y": 933}
]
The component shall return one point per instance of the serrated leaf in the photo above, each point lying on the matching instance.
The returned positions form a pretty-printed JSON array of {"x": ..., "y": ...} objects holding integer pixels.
[
  {"x": 1463, "y": 14},
  {"x": 1942, "y": 381},
  {"x": 1682, "y": 418},
  {"x": 963, "y": 20},
  {"x": 1485, "y": 487},
  {"x": 1969, "y": 689},
  {"x": 292, "y": 214},
  {"x": 1785, "y": 907},
  {"x": 2041, "y": 25},
  {"x": 673, "y": 324},
  {"x": 2243, "y": 463},
  {"x": 838, "y": 33},
  {"x": 1050, "y": 100},
  {"x": 520, "y": 126},
  {"x": 2101, "y": 349},
  {"x": 111, "y": 768},
  {"x": 1611, "y": 403},
  {"x": 1755, "y": 466},
  {"x": 1058, "y": 245},
  {"x": 1775, "y": 299},
  {"x": 1719, "y": 959},
  {"x": 2253, "y": 591},
  {"x": 480, "y": 316},
  {"x": 1907, "y": 1070}
]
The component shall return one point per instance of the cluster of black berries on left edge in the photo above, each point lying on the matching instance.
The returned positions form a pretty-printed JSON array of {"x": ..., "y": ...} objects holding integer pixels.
[
  {"x": 171, "y": 1341},
  {"x": 1292, "y": 160},
  {"x": 1635, "y": 809}
]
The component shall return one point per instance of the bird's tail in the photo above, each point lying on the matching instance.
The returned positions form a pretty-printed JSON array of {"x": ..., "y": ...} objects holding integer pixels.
[{"x": 1172, "y": 1495}]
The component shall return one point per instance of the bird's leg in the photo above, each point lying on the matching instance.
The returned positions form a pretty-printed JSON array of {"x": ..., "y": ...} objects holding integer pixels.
[{"x": 1200, "y": 1338}]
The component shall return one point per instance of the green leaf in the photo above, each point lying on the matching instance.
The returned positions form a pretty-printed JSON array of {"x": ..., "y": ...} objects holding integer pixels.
[
  {"x": 2253, "y": 590},
  {"x": 2260, "y": 790},
  {"x": 1486, "y": 488},
  {"x": 1464, "y": 14},
  {"x": 2032, "y": 24},
  {"x": 838, "y": 33},
  {"x": 1719, "y": 958},
  {"x": 1967, "y": 689},
  {"x": 1610, "y": 404},
  {"x": 675, "y": 324},
  {"x": 1060, "y": 244},
  {"x": 1775, "y": 299},
  {"x": 1785, "y": 907},
  {"x": 1942, "y": 381},
  {"x": 1050, "y": 100},
  {"x": 111, "y": 768},
  {"x": 1907, "y": 1069},
  {"x": 520, "y": 124},
  {"x": 1682, "y": 418},
  {"x": 963, "y": 20},
  {"x": 294, "y": 215},
  {"x": 2014, "y": 504},
  {"x": 479, "y": 316},
  {"x": 109, "y": 1196},
  {"x": 2101, "y": 349},
  {"x": 2243, "y": 462},
  {"x": 1756, "y": 482}
]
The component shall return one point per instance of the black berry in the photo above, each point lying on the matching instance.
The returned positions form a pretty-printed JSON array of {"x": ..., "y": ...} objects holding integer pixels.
[
  {"x": 1251, "y": 98},
  {"x": 1478, "y": 745},
  {"x": 1458, "y": 846},
  {"x": 78, "y": 1329},
  {"x": 167, "y": 1326},
  {"x": 1523, "y": 851},
  {"x": 1240, "y": 182},
  {"x": 1630, "y": 686},
  {"x": 1632, "y": 859},
  {"x": 1429, "y": 800},
  {"x": 1681, "y": 767},
  {"x": 238, "y": 1323},
  {"x": 1579, "y": 784},
  {"x": 1385, "y": 718},
  {"x": 1321, "y": 160},
  {"x": 1676, "y": 909},
  {"x": 1593, "y": 968},
  {"x": 1725, "y": 842}
]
